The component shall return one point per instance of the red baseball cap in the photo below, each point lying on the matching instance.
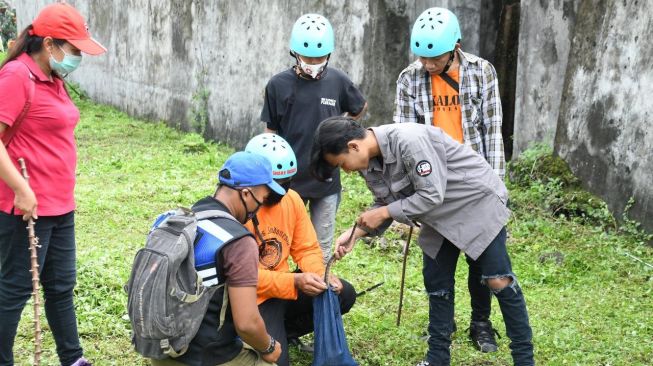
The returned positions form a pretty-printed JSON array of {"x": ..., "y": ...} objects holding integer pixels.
[{"x": 62, "y": 21}]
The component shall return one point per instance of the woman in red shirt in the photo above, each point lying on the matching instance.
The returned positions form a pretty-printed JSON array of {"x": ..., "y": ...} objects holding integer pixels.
[{"x": 37, "y": 122}]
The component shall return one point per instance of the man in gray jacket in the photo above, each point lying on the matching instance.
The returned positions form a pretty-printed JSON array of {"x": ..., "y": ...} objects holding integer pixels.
[{"x": 417, "y": 173}]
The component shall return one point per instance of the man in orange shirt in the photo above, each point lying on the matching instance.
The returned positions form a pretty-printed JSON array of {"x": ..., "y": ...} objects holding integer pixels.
[
  {"x": 283, "y": 228},
  {"x": 459, "y": 93}
]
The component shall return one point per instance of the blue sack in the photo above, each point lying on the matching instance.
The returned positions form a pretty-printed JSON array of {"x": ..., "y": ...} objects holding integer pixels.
[{"x": 330, "y": 345}]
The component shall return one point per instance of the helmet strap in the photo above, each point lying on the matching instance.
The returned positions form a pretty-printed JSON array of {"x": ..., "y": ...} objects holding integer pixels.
[
  {"x": 448, "y": 65},
  {"x": 257, "y": 230}
]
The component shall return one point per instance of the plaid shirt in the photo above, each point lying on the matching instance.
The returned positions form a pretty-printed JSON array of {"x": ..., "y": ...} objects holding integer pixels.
[{"x": 481, "y": 105}]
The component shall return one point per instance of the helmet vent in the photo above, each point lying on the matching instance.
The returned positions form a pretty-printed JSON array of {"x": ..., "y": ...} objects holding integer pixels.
[
  {"x": 319, "y": 45},
  {"x": 430, "y": 46},
  {"x": 303, "y": 23},
  {"x": 306, "y": 43},
  {"x": 430, "y": 19},
  {"x": 432, "y": 27},
  {"x": 292, "y": 163},
  {"x": 423, "y": 25},
  {"x": 265, "y": 145},
  {"x": 279, "y": 166},
  {"x": 416, "y": 44},
  {"x": 439, "y": 21},
  {"x": 274, "y": 148},
  {"x": 439, "y": 13}
]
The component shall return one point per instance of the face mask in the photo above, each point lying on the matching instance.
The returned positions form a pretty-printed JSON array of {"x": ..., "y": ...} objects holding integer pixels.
[
  {"x": 274, "y": 197},
  {"x": 312, "y": 70},
  {"x": 69, "y": 63},
  {"x": 250, "y": 214}
]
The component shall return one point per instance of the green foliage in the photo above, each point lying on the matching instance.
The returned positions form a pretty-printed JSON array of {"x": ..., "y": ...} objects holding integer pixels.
[
  {"x": 589, "y": 303},
  {"x": 538, "y": 164},
  {"x": 632, "y": 227},
  {"x": 7, "y": 23},
  {"x": 538, "y": 178},
  {"x": 199, "y": 107}
]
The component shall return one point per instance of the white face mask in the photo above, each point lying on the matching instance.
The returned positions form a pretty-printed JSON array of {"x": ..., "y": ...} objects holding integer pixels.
[{"x": 312, "y": 70}]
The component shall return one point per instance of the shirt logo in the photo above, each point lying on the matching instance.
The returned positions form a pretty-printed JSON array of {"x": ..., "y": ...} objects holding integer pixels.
[
  {"x": 423, "y": 168},
  {"x": 327, "y": 101},
  {"x": 269, "y": 253}
]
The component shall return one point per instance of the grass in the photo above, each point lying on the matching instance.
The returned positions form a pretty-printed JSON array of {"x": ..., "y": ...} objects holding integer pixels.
[{"x": 589, "y": 303}]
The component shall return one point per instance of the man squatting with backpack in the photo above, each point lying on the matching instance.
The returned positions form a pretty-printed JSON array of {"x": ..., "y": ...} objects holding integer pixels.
[
  {"x": 241, "y": 338},
  {"x": 283, "y": 229},
  {"x": 297, "y": 100},
  {"x": 418, "y": 173},
  {"x": 459, "y": 93}
]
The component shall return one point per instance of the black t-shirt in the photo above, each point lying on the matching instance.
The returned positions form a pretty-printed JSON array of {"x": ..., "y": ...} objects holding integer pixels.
[{"x": 296, "y": 118}]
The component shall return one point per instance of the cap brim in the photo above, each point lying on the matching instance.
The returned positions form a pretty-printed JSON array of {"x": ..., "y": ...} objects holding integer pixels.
[
  {"x": 88, "y": 46},
  {"x": 276, "y": 187}
]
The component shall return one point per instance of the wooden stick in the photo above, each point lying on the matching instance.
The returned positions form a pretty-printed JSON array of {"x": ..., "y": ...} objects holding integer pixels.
[
  {"x": 403, "y": 276},
  {"x": 34, "y": 268}
]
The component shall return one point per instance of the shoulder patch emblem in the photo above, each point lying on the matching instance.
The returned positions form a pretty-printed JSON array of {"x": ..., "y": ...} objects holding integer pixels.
[{"x": 423, "y": 168}]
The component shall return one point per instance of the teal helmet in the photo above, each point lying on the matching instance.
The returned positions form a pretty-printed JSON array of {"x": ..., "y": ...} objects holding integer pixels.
[
  {"x": 312, "y": 36},
  {"x": 435, "y": 32},
  {"x": 278, "y": 151}
]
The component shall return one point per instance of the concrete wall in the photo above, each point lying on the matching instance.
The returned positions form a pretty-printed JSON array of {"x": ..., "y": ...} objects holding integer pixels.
[
  {"x": 605, "y": 129},
  {"x": 545, "y": 35},
  {"x": 203, "y": 65}
]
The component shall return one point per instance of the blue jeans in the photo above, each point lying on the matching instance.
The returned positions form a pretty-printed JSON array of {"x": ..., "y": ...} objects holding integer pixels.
[
  {"x": 56, "y": 259},
  {"x": 439, "y": 283},
  {"x": 323, "y": 216}
]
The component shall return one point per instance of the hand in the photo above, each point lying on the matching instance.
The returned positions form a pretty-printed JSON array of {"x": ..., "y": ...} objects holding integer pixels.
[
  {"x": 343, "y": 247},
  {"x": 311, "y": 284},
  {"x": 373, "y": 218},
  {"x": 336, "y": 284},
  {"x": 25, "y": 201},
  {"x": 274, "y": 356}
]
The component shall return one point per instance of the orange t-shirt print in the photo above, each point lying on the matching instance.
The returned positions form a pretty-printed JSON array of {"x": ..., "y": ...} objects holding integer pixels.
[{"x": 446, "y": 106}]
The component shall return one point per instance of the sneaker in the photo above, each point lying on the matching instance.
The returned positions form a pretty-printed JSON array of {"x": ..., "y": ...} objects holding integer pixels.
[
  {"x": 423, "y": 363},
  {"x": 482, "y": 336},
  {"x": 301, "y": 346},
  {"x": 82, "y": 362}
]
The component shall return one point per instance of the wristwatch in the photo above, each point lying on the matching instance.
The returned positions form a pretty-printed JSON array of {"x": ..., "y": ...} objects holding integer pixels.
[{"x": 271, "y": 347}]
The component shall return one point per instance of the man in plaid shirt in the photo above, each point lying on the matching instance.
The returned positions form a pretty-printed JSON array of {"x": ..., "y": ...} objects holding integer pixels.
[{"x": 459, "y": 93}]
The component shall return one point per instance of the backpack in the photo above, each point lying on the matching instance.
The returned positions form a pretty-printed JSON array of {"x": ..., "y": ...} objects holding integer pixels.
[{"x": 166, "y": 297}]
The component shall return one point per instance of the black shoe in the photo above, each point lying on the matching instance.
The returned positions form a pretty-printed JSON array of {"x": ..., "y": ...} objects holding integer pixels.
[
  {"x": 482, "y": 336},
  {"x": 308, "y": 348}
]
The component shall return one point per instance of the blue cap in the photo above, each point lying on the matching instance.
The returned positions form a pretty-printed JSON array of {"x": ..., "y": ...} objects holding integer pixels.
[{"x": 244, "y": 169}]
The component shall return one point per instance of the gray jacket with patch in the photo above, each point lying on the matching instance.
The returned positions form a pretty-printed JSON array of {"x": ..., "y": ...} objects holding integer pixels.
[{"x": 426, "y": 176}]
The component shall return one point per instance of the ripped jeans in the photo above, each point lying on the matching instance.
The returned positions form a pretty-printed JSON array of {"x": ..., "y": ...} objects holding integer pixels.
[{"x": 439, "y": 279}]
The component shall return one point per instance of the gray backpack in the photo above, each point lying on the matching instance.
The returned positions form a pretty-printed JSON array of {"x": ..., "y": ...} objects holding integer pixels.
[{"x": 166, "y": 298}]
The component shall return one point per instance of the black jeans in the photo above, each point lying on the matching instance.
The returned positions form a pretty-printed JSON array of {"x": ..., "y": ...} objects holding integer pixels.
[
  {"x": 294, "y": 318},
  {"x": 56, "y": 259},
  {"x": 439, "y": 283}
]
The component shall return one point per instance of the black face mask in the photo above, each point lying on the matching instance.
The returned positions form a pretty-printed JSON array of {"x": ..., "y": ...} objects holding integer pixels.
[
  {"x": 249, "y": 215},
  {"x": 274, "y": 197}
]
